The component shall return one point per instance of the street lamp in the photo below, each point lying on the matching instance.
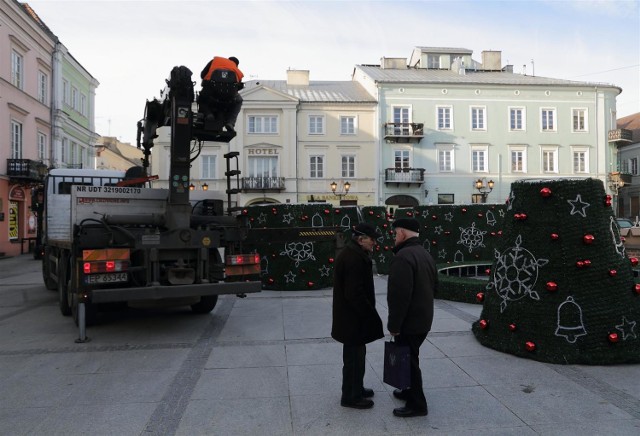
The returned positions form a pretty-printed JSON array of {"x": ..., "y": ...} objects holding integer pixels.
[
  {"x": 484, "y": 187},
  {"x": 192, "y": 187},
  {"x": 345, "y": 189},
  {"x": 205, "y": 186}
]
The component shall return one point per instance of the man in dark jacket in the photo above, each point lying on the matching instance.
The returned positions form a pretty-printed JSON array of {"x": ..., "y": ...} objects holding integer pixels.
[
  {"x": 412, "y": 283},
  {"x": 221, "y": 80},
  {"x": 355, "y": 319}
]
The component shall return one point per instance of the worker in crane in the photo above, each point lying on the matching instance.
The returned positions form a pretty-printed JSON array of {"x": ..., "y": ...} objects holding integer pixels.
[{"x": 221, "y": 81}]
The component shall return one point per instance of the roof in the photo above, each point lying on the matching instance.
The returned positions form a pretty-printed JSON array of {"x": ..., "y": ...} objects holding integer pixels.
[
  {"x": 445, "y": 50},
  {"x": 434, "y": 76},
  {"x": 319, "y": 92},
  {"x": 631, "y": 122},
  {"x": 35, "y": 17}
]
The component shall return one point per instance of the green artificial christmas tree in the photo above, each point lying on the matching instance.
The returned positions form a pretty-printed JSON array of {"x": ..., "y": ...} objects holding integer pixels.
[{"x": 561, "y": 288}]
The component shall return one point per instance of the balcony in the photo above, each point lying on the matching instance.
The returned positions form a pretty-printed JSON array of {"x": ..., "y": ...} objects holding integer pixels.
[
  {"x": 26, "y": 170},
  {"x": 403, "y": 132},
  {"x": 263, "y": 184},
  {"x": 410, "y": 176},
  {"x": 621, "y": 136}
]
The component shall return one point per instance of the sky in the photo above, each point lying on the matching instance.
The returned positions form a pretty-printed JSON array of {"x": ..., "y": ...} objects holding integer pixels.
[{"x": 131, "y": 46}]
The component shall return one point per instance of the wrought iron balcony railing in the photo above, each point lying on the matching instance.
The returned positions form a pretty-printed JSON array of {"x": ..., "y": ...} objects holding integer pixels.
[
  {"x": 621, "y": 135},
  {"x": 26, "y": 169},
  {"x": 403, "y": 132},
  {"x": 404, "y": 175},
  {"x": 263, "y": 184}
]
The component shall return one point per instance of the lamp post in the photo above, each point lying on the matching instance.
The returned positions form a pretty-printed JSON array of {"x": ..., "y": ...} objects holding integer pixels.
[
  {"x": 484, "y": 187},
  {"x": 345, "y": 189},
  {"x": 205, "y": 186}
]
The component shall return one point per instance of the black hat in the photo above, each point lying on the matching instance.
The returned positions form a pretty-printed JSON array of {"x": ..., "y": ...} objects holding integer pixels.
[
  {"x": 365, "y": 229},
  {"x": 407, "y": 223},
  {"x": 234, "y": 60}
]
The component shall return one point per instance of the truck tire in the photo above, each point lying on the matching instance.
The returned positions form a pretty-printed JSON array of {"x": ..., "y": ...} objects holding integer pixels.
[
  {"x": 49, "y": 283},
  {"x": 206, "y": 304}
]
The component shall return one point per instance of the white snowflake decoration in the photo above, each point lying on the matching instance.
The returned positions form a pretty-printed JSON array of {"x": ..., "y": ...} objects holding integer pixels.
[
  {"x": 515, "y": 274},
  {"x": 299, "y": 251},
  {"x": 471, "y": 237}
]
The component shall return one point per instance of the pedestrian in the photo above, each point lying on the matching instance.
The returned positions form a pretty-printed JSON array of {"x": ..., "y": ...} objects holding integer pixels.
[
  {"x": 412, "y": 283},
  {"x": 221, "y": 81},
  {"x": 355, "y": 319}
]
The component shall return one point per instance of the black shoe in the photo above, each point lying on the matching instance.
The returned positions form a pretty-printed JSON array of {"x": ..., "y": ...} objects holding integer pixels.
[
  {"x": 229, "y": 127},
  {"x": 361, "y": 403},
  {"x": 367, "y": 393},
  {"x": 400, "y": 394},
  {"x": 407, "y": 412}
]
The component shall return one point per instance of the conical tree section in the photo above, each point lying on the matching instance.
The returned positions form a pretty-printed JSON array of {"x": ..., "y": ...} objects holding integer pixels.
[{"x": 561, "y": 288}]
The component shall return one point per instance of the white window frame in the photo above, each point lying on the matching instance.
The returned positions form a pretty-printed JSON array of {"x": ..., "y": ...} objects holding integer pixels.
[
  {"x": 43, "y": 87},
  {"x": 633, "y": 166},
  {"x": 585, "y": 160},
  {"x": 348, "y": 125},
  {"x": 433, "y": 61},
  {"x": 208, "y": 166},
  {"x": 523, "y": 119},
  {"x": 16, "y": 139},
  {"x": 403, "y": 157},
  {"x": 478, "y": 124},
  {"x": 348, "y": 166},
  {"x": 263, "y": 124},
  {"x": 316, "y": 124},
  {"x": 316, "y": 166},
  {"x": 65, "y": 91},
  {"x": 64, "y": 150},
  {"x": 42, "y": 146},
  {"x": 17, "y": 69},
  {"x": 476, "y": 165},
  {"x": 401, "y": 114},
  {"x": 444, "y": 117},
  {"x": 74, "y": 97},
  {"x": 548, "y": 116},
  {"x": 521, "y": 150},
  {"x": 252, "y": 167},
  {"x": 83, "y": 104},
  {"x": 73, "y": 155},
  {"x": 446, "y": 158},
  {"x": 545, "y": 152},
  {"x": 581, "y": 114}
]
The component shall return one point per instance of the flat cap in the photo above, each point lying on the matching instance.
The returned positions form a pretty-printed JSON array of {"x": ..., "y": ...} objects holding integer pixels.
[
  {"x": 407, "y": 223},
  {"x": 366, "y": 229}
]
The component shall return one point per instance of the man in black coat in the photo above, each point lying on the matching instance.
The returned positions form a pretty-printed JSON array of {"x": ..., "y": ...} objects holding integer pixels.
[
  {"x": 413, "y": 280},
  {"x": 355, "y": 319}
]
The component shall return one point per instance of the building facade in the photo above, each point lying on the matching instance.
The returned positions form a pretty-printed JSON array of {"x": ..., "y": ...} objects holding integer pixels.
[
  {"x": 626, "y": 181},
  {"x": 111, "y": 154}
]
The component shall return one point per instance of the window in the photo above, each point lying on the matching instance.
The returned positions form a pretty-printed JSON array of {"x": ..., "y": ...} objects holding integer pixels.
[
  {"x": 478, "y": 117},
  {"x": 316, "y": 125},
  {"x": 579, "y": 120},
  {"x": 479, "y": 159},
  {"x": 42, "y": 146},
  {"x": 348, "y": 166},
  {"x": 43, "y": 86},
  {"x": 347, "y": 125},
  {"x": 74, "y": 153},
  {"x": 401, "y": 121},
  {"x": 518, "y": 159},
  {"x": 17, "y": 70},
  {"x": 633, "y": 166},
  {"x": 549, "y": 160},
  {"x": 263, "y": 166},
  {"x": 517, "y": 118},
  {"x": 16, "y": 140},
  {"x": 316, "y": 167},
  {"x": 83, "y": 104},
  {"x": 580, "y": 160},
  {"x": 83, "y": 157},
  {"x": 263, "y": 124},
  {"x": 433, "y": 61},
  {"x": 208, "y": 166},
  {"x": 65, "y": 91},
  {"x": 547, "y": 120},
  {"x": 401, "y": 159},
  {"x": 445, "y": 158},
  {"x": 74, "y": 97},
  {"x": 444, "y": 117},
  {"x": 63, "y": 150}
]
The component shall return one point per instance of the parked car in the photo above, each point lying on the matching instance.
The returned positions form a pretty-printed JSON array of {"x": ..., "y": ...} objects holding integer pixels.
[{"x": 624, "y": 223}]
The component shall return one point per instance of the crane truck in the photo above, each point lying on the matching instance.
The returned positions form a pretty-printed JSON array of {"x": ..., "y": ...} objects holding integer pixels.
[{"x": 108, "y": 237}]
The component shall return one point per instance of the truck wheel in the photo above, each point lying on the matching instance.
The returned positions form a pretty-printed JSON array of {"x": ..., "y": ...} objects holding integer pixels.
[
  {"x": 205, "y": 305},
  {"x": 49, "y": 283}
]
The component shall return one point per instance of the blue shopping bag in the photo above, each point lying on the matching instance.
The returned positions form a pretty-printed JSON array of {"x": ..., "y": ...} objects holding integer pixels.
[{"x": 397, "y": 370}]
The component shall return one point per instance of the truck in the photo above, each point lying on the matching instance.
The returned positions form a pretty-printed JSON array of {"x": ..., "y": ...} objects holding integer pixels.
[{"x": 108, "y": 237}]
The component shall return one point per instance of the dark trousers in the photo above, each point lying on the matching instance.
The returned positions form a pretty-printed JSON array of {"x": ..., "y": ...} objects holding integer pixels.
[
  {"x": 353, "y": 358},
  {"x": 415, "y": 394},
  {"x": 229, "y": 106}
]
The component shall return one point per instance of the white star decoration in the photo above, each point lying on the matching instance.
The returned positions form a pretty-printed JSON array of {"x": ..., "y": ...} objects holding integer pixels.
[
  {"x": 578, "y": 206},
  {"x": 262, "y": 218},
  {"x": 287, "y": 218},
  {"x": 442, "y": 253},
  {"x": 437, "y": 230},
  {"x": 290, "y": 277},
  {"x": 448, "y": 216},
  {"x": 627, "y": 328},
  {"x": 324, "y": 271}
]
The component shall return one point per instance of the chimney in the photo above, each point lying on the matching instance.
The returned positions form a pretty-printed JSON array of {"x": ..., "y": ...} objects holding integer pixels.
[
  {"x": 492, "y": 60},
  {"x": 393, "y": 63},
  {"x": 298, "y": 77}
]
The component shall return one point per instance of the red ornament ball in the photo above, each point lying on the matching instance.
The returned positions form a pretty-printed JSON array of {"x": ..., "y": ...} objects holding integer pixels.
[
  {"x": 464, "y": 210},
  {"x": 487, "y": 271},
  {"x": 512, "y": 327},
  {"x": 613, "y": 272},
  {"x": 580, "y": 264},
  {"x": 634, "y": 261},
  {"x": 434, "y": 217},
  {"x": 613, "y": 337},
  {"x": 520, "y": 216},
  {"x": 493, "y": 233},
  {"x": 588, "y": 239},
  {"x": 636, "y": 288},
  {"x": 480, "y": 297},
  {"x": 371, "y": 212},
  {"x": 337, "y": 211},
  {"x": 409, "y": 214},
  {"x": 447, "y": 233},
  {"x": 480, "y": 214},
  {"x": 245, "y": 212},
  {"x": 331, "y": 260},
  {"x": 310, "y": 284},
  {"x": 530, "y": 346},
  {"x": 327, "y": 211},
  {"x": 555, "y": 236},
  {"x": 484, "y": 324},
  {"x": 552, "y": 286},
  {"x": 587, "y": 262},
  {"x": 271, "y": 280},
  {"x": 545, "y": 192}
]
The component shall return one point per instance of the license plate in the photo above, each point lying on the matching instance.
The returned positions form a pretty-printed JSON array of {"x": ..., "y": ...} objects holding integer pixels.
[{"x": 105, "y": 278}]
